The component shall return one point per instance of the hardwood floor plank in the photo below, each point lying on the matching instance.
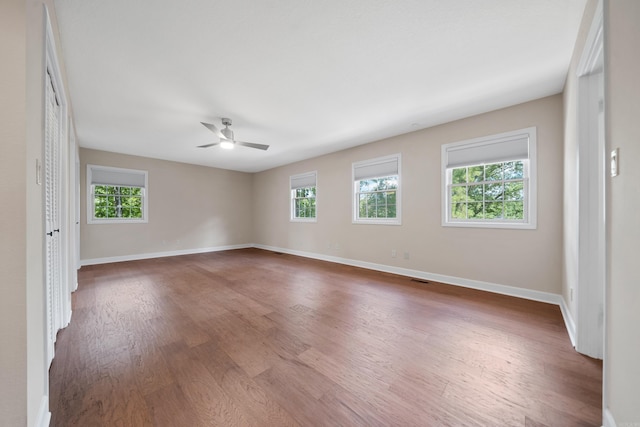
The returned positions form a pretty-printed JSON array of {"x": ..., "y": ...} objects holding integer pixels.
[
  {"x": 283, "y": 343},
  {"x": 211, "y": 404},
  {"x": 242, "y": 342},
  {"x": 364, "y": 381},
  {"x": 304, "y": 377},
  {"x": 168, "y": 407},
  {"x": 252, "y": 398},
  {"x": 297, "y": 389},
  {"x": 150, "y": 369},
  {"x": 250, "y": 337}
]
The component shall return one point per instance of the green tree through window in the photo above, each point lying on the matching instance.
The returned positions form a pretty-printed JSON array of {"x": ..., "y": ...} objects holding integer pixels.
[
  {"x": 488, "y": 192},
  {"x": 113, "y": 202},
  {"x": 377, "y": 197},
  {"x": 304, "y": 202}
]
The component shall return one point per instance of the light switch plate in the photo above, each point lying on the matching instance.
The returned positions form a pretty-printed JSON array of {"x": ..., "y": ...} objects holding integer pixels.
[{"x": 615, "y": 169}]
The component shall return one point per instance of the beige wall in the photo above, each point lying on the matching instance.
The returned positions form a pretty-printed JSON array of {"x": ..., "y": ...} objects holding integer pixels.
[
  {"x": 622, "y": 68},
  {"x": 528, "y": 259},
  {"x": 190, "y": 207},
  {"x": 23, "y": 380},
  {"x": 13, "y": 227}
]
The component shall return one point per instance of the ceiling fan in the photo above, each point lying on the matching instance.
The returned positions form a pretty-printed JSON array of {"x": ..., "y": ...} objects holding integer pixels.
[{"x": 227, "y": 140}]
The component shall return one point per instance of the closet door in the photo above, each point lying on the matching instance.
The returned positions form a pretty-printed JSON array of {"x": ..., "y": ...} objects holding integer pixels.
[{"x": 52, "y": 217}]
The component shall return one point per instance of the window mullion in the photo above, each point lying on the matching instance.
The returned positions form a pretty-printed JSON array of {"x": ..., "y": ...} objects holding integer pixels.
[{"x": 482, "y": 185}]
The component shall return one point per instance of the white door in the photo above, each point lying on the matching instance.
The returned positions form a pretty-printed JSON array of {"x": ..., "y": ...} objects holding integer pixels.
[{"x": 52, "y": 217}]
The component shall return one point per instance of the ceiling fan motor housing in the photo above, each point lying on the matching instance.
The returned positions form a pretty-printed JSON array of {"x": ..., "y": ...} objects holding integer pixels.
[{"x": 228, "y": 133}]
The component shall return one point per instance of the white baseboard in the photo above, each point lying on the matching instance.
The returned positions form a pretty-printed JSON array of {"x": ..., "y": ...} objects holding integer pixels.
[
  {"x": 68, "y": 318},
  {"x": 607, "y": 418},
  {"x": 44, "y": 416},
  {"x": 609, "y": 421},
  {"x": 135, "y": 257},
  {"x": 467, "y": 283},
  {"x": 568, "y": 321}
]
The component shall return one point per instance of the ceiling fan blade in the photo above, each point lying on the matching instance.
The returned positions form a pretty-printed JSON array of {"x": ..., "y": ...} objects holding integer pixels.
[
  {"x": 213, "y": 129},
  {"x": 252, "y": 145},
  {"x": 208, "y": 145}
]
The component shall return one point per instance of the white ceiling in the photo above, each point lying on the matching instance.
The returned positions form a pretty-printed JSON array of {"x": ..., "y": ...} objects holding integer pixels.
[{"x": 306, "y": 77}]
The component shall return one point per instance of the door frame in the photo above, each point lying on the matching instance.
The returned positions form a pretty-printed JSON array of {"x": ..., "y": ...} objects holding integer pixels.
[{"x": 591, "y": 194}]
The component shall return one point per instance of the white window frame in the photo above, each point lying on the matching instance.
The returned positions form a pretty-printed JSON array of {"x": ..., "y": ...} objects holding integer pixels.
[
  {"x": 308, "y": 176},
  {"x": 476, "y": 145},
  {"x": 355, "y": 219},
  {"x": 124, "y": 173}
]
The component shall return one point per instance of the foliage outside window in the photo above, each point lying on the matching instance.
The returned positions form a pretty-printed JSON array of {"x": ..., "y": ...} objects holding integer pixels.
[
  {"x": 377, "y": 198},
  {"x": 377, "y": 191},
  {"x": 490, "y": 181},
  {"x": 493, "y": 191},
  {"x": 303, "y": 197},
  {"x": 304, "y": 202},
  {"x": 112, "y": 202}
]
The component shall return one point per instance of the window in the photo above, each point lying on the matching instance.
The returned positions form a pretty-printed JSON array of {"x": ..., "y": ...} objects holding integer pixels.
[
  {"x": 376, "y": 190},
  {"x": 303, "y": 197},
  {"x": 116, "y": 195},
  {"x": 490, "y": 181}
]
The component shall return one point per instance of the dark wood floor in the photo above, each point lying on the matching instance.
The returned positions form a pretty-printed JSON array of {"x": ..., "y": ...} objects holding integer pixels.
[{"x": 249, "y": 337}]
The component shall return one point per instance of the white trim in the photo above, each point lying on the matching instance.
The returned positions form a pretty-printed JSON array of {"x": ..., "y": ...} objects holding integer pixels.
[
  {"x": 450, "y": 280},
  {"x": 591, "y": 58},
  {"x": 44, "y": 416},
  {"x": 568, "y": 321},
  {"x": 51, "y": 59},
  {"x": 607, "y": 418},
  {"x": 609, "y": 421},
  {"x": 311, "y": 220},
  {"x": 591, "y": 179},
  {"x": 68, "y": 319},
  {"x": 135, "y": 257}
]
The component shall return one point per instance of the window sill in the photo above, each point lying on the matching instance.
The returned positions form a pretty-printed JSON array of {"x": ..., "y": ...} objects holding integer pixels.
[
  {"x": 303, "y": 220},
  {"x": 117, "y": 221},
  {"x": 377, "y": 221},
  {"x": 478, "y": 224}
]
